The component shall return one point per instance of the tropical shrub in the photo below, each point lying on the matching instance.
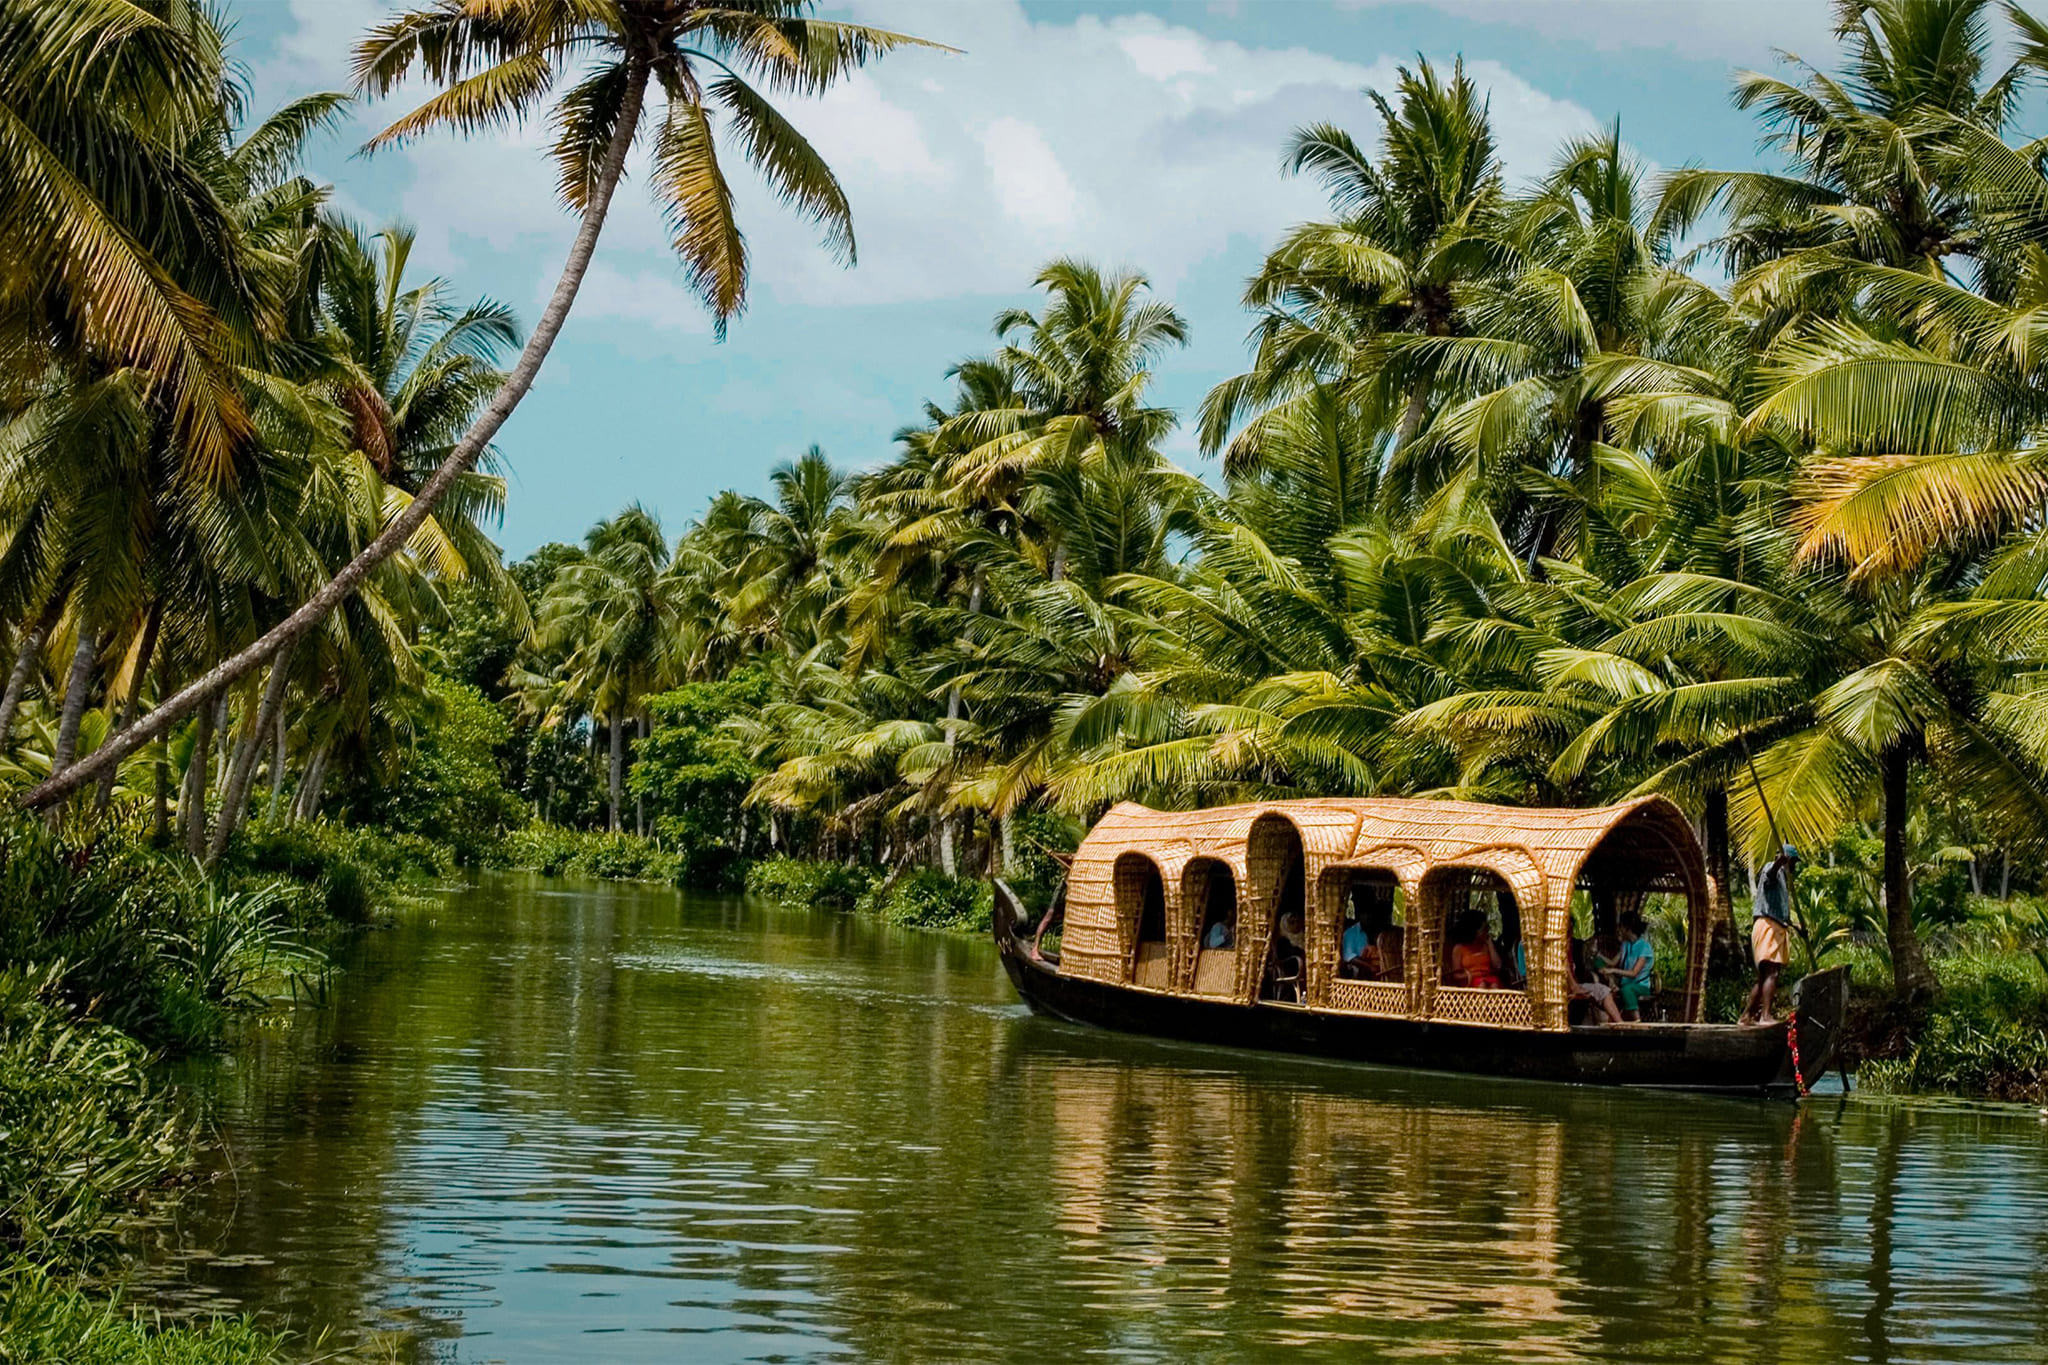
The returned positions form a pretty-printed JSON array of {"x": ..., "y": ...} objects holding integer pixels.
[
  {"x": 621, "y": 857},
  {"x": 1038, "y": 842},
  {"x": 447, "y": 787},
  {"x": 88, "y": 1133},
  {"x": 693, "y": 773},
  {"x": 803, "y": 882},
  {"x": 927, "y": 898}
]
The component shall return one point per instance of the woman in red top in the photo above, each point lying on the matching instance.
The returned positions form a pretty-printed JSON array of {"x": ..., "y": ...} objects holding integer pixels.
[{"x": 1474, "y": 960}]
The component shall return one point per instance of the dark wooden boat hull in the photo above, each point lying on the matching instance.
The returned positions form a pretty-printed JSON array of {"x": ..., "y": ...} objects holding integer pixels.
[{"x": 1752, "y": 1060}]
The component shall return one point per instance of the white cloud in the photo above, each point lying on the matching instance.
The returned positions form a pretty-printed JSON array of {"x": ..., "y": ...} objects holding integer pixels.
[
  {"x": 1133, "y": 141},
  {"x": 655, "y": 298},
  {"x": 1030, "y": 184}
]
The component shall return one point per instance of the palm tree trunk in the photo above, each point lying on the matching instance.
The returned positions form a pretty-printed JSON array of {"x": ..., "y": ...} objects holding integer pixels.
[
  {"x": 1721, "y": 901},
  {"x": 316, "y": 781},
  {"x": 277, "y": 757},
  {"x": 639, "y": 805},
  {"x": 76, "y": 685},
  {"x": 195, "y": 780},
  {"x": 618, "y": 764},
  {"x": 402, "y": 527},
  {"x": 235, "y": 792},
  {"x": 24, "y": 662},
  {"x": 161, "y": 827},
  {"x": 1411, "y": 416},
  {"x": 145, "y": 653},
  {"x": 1910, "y": 975},
  {"x": 305, "y": 800}
]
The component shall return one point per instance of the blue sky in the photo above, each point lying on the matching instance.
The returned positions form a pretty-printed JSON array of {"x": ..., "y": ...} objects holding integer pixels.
[{"x": 1144, "y": 135}]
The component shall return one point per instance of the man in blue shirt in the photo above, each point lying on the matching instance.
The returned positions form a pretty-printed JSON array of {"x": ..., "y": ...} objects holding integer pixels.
[
  {"x": 1355, "y": 946},
  {"x": 1770, "y": 933}
]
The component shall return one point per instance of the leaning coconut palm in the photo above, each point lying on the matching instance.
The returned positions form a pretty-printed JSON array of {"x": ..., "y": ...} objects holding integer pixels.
[{"x": 497, "y": 61}]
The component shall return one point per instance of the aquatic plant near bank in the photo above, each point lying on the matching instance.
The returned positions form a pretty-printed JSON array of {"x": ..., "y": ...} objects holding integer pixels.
[
  {"x": 44, "y": 1318},
  {"x": 85, "y": 1133}
]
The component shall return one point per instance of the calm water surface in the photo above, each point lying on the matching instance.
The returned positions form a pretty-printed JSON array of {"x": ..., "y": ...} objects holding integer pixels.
[{"x": 577, "y": 1122}]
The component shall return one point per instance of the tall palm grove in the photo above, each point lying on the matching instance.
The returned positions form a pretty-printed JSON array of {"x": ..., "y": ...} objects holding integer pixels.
[{"x": 1720, "y": 484}]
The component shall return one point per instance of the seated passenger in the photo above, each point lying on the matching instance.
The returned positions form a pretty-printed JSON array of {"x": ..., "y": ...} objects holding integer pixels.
[
  {"x": 1474, "y": 961},
  {"x": 1585, "y": 986},
  {"x": 1514, "y": 963},
  {"x": 1290, "y": 945},
  {"x": 1218, "y": 935},
  {"x": 1357, "y": 957},
  {"x": 1633, "y": 972}
]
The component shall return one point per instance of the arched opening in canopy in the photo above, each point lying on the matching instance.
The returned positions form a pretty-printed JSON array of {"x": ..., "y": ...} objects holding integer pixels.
[
  {"x": 1211, "y": 891},
  {"x": 1279, "y": 871},
  {"x": 1646, "y": 870},
  {"x": 1141, "y": 908}
]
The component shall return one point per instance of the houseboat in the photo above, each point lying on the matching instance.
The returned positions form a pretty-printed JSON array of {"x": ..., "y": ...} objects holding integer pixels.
[{"x": 1183, "y": 924}]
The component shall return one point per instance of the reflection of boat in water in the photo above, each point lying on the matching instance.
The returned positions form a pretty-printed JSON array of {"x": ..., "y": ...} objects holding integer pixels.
[{"x": 1180, "y": 924}]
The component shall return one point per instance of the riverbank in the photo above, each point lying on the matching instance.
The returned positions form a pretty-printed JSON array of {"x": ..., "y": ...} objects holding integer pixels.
[
  {"x": 913, "y": 897},
  {"x": 115, "y": 956}
]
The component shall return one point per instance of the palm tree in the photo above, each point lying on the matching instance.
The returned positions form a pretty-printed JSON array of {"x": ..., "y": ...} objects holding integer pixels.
[
  {"x": 497, "y": 60},
  {"x": 613, "y": 614},
  {"x": 115, "y": 246},
  {"x": 1411, "y": 231},
  {"x": 1871, "y": 153}
]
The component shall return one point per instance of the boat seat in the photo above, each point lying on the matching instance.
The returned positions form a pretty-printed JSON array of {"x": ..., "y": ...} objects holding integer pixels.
[
  {"x": 1153, "y": 969},
  {"x": 1216, "y": 972}
]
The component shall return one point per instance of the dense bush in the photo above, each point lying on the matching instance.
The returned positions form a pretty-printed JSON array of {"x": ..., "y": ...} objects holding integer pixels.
[
  {"x": 1039, "y": 842},
  {"x": 43, "y": 1319},
  {"x": 447, "y": 787},
  {"x": 1987, "y": 1034},
  {"x": 693, "y": 774},
  {"x": 87, "y": 1133},
  {"x": 144, "y": 940},
  {"x": 927, "y": 898},
  {"x": 798, "y": 881},
  {"x": 586, "y": 853},
  {"x": 349, "y": 872}
]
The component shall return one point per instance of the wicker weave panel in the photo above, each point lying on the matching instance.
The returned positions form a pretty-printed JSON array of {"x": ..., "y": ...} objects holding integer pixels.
[
  {"x": 1502, "y": 1009},
  {"x": 1154, "y": 968},
  {"x": 1369, "y": 997},
  {"x": 1216, "y": 972}
]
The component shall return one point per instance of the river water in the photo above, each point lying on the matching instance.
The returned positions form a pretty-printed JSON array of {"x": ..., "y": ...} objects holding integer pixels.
[{"x": 560, "y": 1121}]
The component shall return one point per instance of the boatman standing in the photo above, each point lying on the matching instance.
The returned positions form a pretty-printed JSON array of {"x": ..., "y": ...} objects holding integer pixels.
[{"x": 1770, "y": 933}]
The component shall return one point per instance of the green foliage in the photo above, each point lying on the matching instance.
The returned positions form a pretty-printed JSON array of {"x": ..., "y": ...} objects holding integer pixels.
[
  {"x": 352, "y": 870},
  {"x": 146, "y": 941},
  {"x": 693, "y": 773},
  {"x": 805, "y": 882},
  {"x": 556, "y": 852},
  {"x": 927, "y": 898},
  {"x": 44, "y": 1319},
  {"x": 87, "y": 1133},
  {"x": 1037, "y": 837},
  {"x": 448, "y": 786}
]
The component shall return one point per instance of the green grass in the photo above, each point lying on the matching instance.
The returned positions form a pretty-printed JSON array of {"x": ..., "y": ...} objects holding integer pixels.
[{"x": 45, "y": 1320}]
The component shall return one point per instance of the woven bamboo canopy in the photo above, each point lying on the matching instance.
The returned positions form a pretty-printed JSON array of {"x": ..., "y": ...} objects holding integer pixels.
[{"x": 1308, "y": 854}]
